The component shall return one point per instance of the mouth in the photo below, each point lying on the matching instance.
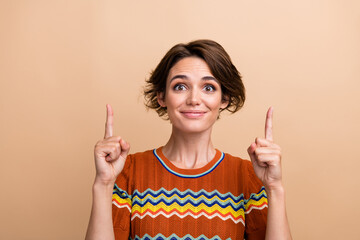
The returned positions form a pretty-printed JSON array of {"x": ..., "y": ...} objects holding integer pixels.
[{"x": 193, "y": 114}]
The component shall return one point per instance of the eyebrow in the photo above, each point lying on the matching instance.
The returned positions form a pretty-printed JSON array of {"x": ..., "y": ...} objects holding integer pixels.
[{"x": 205, "y": 78}]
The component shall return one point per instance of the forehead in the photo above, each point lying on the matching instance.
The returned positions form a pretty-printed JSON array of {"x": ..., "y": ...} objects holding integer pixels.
[{"x": 190, "y": 65}]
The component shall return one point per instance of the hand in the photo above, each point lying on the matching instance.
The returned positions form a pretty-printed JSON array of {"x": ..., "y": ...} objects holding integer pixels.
[
  {"x": 266, "y": 157},
  {"x": 110, "y": 153}
]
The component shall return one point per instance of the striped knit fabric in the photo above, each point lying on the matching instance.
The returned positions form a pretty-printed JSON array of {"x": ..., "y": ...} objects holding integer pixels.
[{"x": 153, "y": 199}]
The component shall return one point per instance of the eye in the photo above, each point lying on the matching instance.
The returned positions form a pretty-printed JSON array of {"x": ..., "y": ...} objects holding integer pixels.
[
  {"x": 179, "y": 87},
  {"x": 209, "y": 88}
]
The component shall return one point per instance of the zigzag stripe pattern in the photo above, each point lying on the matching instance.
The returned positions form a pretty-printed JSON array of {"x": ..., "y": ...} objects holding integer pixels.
[
  {"x": 121, "y": 198},
  {"x": 183, "y": 215},
  {"x": 175, "y": 237},
  {"x": 188, "y": 203}
]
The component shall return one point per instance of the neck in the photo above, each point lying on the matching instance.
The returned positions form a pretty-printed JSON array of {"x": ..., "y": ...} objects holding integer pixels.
[{"x": 189, "y": 150}]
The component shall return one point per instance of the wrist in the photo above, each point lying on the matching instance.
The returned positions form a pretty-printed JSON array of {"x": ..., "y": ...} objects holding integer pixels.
[
  {"x": 275, "y": 191},
  {"x": 100, "y": 179},
  {"x": 104, "y": 185}
]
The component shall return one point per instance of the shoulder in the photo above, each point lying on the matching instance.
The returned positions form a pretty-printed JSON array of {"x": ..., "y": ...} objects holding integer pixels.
[
  {"x": 244, "y": 170},
  {"x": 139, "y": 158},
  {"x": 238, "y": 162},
  {"x": 135, "y": 162}
]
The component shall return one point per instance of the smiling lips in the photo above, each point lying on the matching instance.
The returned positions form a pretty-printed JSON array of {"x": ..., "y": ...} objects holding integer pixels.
[{"x": 193, "y": 114}]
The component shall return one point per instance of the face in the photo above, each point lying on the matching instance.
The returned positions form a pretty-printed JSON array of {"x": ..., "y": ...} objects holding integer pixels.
[{"x": 193, "y": 96}]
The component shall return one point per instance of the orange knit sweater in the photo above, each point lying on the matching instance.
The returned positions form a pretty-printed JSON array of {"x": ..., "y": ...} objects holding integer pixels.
[{"x": 153, "y": 199}]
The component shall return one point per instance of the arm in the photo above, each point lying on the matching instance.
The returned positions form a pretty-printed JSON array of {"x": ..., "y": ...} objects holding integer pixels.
[
  {"x": 266, "y": 159},
  {"x": 277, "y": 223},
  {"x": 110, "y": 155},
  {"x": 100, "y": 224}
]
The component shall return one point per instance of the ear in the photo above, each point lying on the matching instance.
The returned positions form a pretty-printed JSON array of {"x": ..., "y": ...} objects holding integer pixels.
[
  {"x": 161, "y": 99},
  {"x": 224, "y": 101}
]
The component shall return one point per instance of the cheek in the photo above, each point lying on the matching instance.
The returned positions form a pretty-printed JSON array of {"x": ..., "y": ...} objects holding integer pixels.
[
  {"x": 216, "y": 102},
  {"x": 174, "y": 100}
]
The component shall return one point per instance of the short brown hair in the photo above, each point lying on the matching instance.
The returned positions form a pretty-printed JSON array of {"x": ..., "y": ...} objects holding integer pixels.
[{"x": 220, "y": 65}]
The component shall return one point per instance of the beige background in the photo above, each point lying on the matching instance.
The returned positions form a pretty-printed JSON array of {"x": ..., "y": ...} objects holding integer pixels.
[{"x": 62, "y": 61}]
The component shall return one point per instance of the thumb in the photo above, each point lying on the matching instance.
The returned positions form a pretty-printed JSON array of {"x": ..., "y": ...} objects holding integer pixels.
[
  {"x": 251, "y": 151},
  {"x": 125, "y": 148}
]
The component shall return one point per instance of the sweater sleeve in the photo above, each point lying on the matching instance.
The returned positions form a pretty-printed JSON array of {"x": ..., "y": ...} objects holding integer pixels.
[
  {"x": 121, "y": 201},
  {"x": 255, "y": 206}
]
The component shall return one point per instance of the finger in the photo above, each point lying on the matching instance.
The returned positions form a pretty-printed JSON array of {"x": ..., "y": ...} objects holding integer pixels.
[
  {"x": 125, "y": 148},
  {"x": 109, "y": 121},
  {"x": 254, "y": 159},
  {"x": 112, "y": 139},
  {"x": 270, "y": 160},
  {"x": 251, "y": 148},
  {"x": 268, "y": 125},
  {"x": 251, "y": 151},
  {"x": 112, "y": 156},
  {"x": 267, "y": 150},
  {"x": 263, "y": 142},
  {"x": 109, "y": 151}
]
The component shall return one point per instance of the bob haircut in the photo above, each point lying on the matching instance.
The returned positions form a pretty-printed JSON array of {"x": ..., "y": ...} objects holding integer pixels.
[{"x": 219, "y": 63}]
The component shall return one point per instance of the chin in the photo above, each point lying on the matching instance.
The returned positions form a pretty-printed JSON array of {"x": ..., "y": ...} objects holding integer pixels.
[{"x": 192, "y": 127}]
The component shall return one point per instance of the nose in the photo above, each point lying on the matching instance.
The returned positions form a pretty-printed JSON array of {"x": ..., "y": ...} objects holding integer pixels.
[{"x": 194, "y": 97}]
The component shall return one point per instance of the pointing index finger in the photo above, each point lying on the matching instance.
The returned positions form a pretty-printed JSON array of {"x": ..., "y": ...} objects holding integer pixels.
[
  {"x": 268, "y": 124},
  {"x": 109, "y": 121}
]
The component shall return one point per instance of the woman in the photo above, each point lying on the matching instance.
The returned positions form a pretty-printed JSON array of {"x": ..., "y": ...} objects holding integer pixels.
[{"x": 188, "y": 189}]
